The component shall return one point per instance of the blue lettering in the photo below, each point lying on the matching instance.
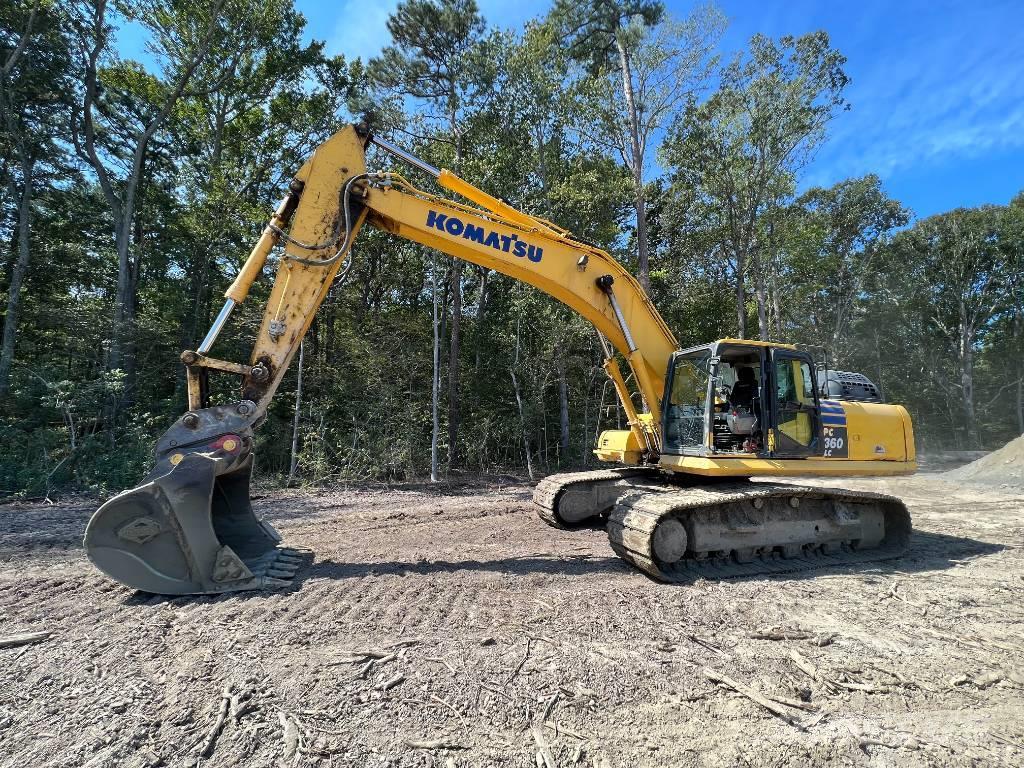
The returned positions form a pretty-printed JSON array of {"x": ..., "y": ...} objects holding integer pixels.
[
  {"x": 435, "y": 219},
  {"x": 474, "y": 233},
  {"x": 506, "y": 243}
]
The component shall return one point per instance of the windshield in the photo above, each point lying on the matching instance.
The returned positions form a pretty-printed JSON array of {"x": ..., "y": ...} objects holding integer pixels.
[{"x": 684, "y": 421}]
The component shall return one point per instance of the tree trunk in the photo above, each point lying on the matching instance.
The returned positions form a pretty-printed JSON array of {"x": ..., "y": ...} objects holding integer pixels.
[
  {"x": 563, "y": 410},
  {"x": 17, "y": 277},
  {"x": 481, "y": 308},
  {"x": 453, "y": 364},
  {"x": 294, "y": 463},
  {"x": 1018, "y": 335},
  {"x": 967, "y": 389},
  {"x": 1020, "y": 401},
  {"x": 519, "y": 406},
  {"x": 456, "y": 328},
  {"x": 759, "y": 294},
  {"x": 636, "y": 154},
  {"x": 776, "y": 308},
  {"x": 435, "y": 382},
  {"x": 741, "y": 298}
]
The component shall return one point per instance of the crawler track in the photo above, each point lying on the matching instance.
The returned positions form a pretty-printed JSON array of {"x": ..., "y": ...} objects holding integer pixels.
[
  {"x": 602, "y": 486},
  {"x": 743, "y": 529}
]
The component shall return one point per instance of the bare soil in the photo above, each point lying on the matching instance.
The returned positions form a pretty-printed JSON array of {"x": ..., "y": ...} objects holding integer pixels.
[{"x": 502, "y": 638}]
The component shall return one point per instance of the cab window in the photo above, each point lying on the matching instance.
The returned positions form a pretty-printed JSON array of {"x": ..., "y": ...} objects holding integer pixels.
[
  {"x": 794, "y": 397},
  {"x": 684, "y": 417}
]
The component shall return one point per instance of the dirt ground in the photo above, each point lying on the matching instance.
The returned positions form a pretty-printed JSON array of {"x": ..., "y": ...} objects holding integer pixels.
[{"x": 502, "y": 638}]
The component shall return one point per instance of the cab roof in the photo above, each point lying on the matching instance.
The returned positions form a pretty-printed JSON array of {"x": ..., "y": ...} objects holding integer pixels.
[{"x": 756, "y": 343}]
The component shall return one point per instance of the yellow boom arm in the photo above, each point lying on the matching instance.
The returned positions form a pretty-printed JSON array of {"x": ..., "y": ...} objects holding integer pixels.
[{"x": 333, "y": 196}]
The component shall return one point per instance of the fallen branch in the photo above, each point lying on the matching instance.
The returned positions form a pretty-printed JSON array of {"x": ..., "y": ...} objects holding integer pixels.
[
  {"x": 750, "y": 693},
  {"x": 779, "y": 634},
  {"x": 870, "y": 741},
  {"x": 376, "y": 662},
  {"x": 206, "y": 747},
  {"x": 1007, "y": 740},
  {"x": 811, "y": 671},
  {"x": 290, "y": 734},
  {"x": 795, "y": 703},
  {"x": 406, "y": 643},
  {"x": 495, "y": 689},
  {"x": 387, "y": 685},
  {"x": 240, "y": 704},
  {"x": 526, "y": 655},
  {"x": 831, "y": 684},
  {"x": 894, "y": 591},
  {"x": 438, "y": 660},
  {"x": 433, "y": 744},
  {"x": 542, "y": 746},
  {"x": 550, "y": 706},
  {"x": 709, "y": 646},
  {"x": 439, "y": 700},
  {"x": 25, "y": 638}
]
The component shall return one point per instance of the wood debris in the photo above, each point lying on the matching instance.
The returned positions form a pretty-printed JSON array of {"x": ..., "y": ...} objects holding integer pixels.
[
  {"x": 526, "y": 655},
  {"x": 387, "y": 685},
  {"x": 23, "y": 638},
  {"x": 545, "y": 758},
  {"x": 433, "y": 744},
  {"x": 779, "y": 634},
  {"x": 832, "y": 685},
  {"x": 559, "y": 728},
  {"x": 207, "y": 744},
  {"x": 709, "y": 646},
  {"x": 290, "y": 734},
  {"x": 755, "y": 696}
]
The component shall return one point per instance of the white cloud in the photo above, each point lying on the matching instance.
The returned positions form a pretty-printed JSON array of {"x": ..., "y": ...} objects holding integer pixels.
[{"x": 952, "y": 90}]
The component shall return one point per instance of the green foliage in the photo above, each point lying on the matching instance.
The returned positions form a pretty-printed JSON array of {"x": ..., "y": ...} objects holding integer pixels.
[{"x": 934, "y": 313}]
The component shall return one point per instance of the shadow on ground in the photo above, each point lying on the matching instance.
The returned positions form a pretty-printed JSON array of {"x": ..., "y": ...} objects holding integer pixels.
[{"x": 927, "y": 552}]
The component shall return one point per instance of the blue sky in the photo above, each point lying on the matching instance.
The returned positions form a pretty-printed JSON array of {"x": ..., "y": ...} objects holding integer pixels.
[{"x": 937, "y": 87}]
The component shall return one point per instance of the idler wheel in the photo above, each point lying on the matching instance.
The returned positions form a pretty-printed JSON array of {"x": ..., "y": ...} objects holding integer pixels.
[{"x": 669, "y": 541}]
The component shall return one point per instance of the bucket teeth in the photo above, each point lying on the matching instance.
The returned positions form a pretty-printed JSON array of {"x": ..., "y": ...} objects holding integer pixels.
[{"x": 268, "y": 582}]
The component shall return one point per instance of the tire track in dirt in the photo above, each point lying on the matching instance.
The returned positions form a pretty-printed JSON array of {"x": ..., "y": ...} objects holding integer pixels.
[{"x": 388, "y": 567}]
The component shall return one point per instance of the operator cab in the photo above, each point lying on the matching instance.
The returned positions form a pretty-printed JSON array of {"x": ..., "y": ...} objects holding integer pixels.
[{"x": 742, "y": 398}]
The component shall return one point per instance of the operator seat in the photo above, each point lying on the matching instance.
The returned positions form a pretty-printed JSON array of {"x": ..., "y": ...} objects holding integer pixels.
[{"x": 745, "y": 389}]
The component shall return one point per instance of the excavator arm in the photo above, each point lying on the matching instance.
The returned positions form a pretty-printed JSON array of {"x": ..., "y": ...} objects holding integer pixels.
[{"x": 189, "y": 526}]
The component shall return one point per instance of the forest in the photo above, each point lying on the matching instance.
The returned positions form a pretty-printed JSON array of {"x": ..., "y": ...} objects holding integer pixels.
[{"x": 133, "y": 190}]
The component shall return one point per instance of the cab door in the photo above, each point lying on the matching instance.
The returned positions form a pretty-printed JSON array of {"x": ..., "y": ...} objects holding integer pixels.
[{"x": 796, "y": 415}]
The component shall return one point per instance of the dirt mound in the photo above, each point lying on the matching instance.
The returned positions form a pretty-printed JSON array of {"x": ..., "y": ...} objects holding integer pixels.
[{"x": 1004, "y": 467}]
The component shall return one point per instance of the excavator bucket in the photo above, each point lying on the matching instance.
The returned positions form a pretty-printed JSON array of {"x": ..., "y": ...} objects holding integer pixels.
[{"x": 189, "y": 527}]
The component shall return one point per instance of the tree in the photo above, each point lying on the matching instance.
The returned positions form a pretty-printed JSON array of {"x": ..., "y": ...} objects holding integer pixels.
[
  {"x": 738, "y": 153},
  {"x": 641, "y": 67},
  {"x": 123, "y": 107},
  {"x": 828, "y": 243},
  {"x": 34, "y": 94},
  {"x": 960, "y": 270},
  {"x": 437, "y": 57},
  {"x": 270, "y": 100}
]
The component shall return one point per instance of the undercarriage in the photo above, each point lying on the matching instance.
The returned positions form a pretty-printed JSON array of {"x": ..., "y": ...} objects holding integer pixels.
[{"x": 682, "y": 527}]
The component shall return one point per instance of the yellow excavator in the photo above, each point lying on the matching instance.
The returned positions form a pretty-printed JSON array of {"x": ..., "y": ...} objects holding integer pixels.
[{"x": 701, "y": 422}]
